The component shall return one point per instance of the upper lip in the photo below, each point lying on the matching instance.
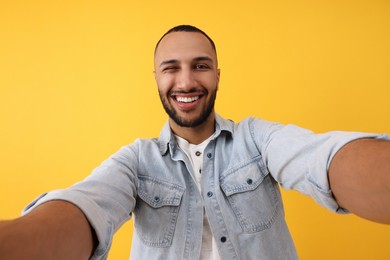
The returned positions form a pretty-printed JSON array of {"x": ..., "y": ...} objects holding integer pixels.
[{"x": 187, "y": 93}]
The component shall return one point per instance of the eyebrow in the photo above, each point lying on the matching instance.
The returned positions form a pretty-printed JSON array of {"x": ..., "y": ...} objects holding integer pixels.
[
  {"x": 203, "y": 58},
  {"x": 173, "y": 61},
  {"x": 166, "y": 62}
]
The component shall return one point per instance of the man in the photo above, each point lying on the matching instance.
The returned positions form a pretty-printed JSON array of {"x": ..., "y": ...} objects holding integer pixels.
[{"x": 207, "y": 187}]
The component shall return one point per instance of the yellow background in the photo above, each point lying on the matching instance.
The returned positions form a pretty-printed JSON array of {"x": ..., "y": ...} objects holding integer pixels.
[{"x": 76, "y": 83}]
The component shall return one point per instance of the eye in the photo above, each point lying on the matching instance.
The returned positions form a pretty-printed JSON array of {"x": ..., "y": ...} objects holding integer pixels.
[
  {"x": 201, "y": 66},
  {"x": 170, "y": 69}
]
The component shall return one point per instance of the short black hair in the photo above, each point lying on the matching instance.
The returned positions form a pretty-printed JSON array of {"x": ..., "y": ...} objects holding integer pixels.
[{"x": 186, "y": 28}]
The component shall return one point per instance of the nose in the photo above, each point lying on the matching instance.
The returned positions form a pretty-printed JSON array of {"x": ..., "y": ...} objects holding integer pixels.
[{"x": 185, "y": 80}]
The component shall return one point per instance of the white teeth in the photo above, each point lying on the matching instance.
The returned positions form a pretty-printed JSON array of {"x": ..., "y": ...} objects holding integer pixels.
[{"x": 187, "y": 99}]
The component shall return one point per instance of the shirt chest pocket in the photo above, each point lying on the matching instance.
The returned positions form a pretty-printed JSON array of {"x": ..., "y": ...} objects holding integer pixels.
[
  {"x": 156, "y": 211},
  {"x": 253, "y": 195}
]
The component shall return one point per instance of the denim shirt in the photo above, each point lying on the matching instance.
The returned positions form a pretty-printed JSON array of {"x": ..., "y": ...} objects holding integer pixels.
[{"x": 242, "y": 166}]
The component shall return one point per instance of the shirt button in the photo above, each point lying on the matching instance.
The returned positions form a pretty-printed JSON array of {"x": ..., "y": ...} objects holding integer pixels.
[
  {"x": 223, "y": 239},
  {"x": 249, "y": 181},
  {"x": 156, "y": 199},
  {"x": 209, "y": 155},
  {"x": 209, "y": 194},
  {"x": 198, "y": 153}
]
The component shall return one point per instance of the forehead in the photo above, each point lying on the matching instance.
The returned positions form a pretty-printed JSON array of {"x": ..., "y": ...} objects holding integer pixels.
[{"x": 184, "y": 45}]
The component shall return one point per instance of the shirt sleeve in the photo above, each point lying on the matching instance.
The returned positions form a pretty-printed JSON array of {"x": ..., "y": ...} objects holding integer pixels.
[
  {"x": 299, "y": 159},
  {"x": 106, "y": 197}
]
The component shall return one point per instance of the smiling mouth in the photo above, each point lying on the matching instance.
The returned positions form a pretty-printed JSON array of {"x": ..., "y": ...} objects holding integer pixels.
[{"x": 186, "y": 99}]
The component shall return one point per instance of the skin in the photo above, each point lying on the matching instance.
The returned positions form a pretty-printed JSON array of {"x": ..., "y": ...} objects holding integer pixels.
[
  {"x": 359, "y": 177},
  {"x": 186, "y": 68},
  {"x": 54, "y": 230}
]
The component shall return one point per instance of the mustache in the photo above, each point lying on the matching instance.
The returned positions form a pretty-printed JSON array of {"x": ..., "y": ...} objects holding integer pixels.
[{"x": 193, "y": 90}]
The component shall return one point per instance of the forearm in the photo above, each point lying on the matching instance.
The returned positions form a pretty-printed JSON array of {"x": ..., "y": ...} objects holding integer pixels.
[
  {"x": 359, "y": 176},
  {"x": 54, "y": 230}
]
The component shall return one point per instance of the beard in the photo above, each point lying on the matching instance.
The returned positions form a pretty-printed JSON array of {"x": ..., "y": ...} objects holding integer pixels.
[{"x": 205, "y": 113}]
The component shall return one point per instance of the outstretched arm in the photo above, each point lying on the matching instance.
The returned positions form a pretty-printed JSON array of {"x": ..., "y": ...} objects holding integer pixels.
[
  {"x": 359, "y": 177},
  {"x": 54, "y": 230}
]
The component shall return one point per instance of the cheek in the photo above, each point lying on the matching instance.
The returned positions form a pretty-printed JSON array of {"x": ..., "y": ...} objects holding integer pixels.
[
  {"x": 165, "y": 83},
  {"x": 212, "y": 80},
  {"x": 213, "y": 84}
]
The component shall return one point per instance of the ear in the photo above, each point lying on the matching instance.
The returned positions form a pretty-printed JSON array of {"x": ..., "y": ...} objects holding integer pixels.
[
  {"x": 218, "y": 76},
  {"x": 155, "y": 75}
]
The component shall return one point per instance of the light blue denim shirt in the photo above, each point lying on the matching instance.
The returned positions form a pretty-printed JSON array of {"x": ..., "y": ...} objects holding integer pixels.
[{"x": 242, "y": 166}]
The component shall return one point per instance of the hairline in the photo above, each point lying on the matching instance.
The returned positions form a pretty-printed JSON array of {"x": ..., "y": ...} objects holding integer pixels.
[{"x": 189, "y": 29}]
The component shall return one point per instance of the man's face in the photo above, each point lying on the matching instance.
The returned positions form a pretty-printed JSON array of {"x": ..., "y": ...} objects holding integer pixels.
[{"x": 187, "y": 76}]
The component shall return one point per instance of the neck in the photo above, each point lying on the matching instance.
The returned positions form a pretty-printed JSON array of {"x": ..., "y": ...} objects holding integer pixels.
[{"x": 197, "y": 134}]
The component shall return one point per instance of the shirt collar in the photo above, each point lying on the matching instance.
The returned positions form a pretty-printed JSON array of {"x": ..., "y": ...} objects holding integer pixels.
[{"x": 167, "y": 138}]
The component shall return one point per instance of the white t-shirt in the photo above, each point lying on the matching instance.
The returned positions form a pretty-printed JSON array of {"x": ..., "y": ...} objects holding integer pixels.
[{"x": 194, "y": 153}]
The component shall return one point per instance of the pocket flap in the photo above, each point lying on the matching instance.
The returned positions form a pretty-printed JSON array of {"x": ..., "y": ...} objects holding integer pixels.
[
  {"x": 245, "y": 178},
  {"x": 159, "y": 193}
]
